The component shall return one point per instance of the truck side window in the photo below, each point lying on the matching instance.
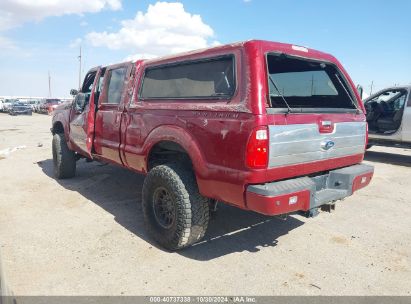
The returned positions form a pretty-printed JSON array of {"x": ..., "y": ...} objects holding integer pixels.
[
  {"x": 211, "y": 78},
  {"x": 88, "y": 82},
  {"x": 399, "y": 103},
  {"x": 392, "y": 100},
  {"x": 115, "y": 86},
  {"x": 99, "y": 87},
  {"x": 88, "y": 85}
]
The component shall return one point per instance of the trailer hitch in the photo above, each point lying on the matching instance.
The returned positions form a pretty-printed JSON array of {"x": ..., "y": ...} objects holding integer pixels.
[{"x": 328, "y": 207}]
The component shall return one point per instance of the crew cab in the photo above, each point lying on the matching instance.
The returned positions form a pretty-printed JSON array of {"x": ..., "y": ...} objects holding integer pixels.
[
  {"x": 389, "y": 117},
  {"x": 268, "y": 127}
]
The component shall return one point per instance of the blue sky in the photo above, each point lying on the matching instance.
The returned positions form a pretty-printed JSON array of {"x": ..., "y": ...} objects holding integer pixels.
[{"x": 371, "y": 38}]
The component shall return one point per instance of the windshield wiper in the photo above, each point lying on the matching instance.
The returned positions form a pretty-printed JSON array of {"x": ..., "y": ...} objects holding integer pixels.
[
  {"x": 348, "y": 94},
  {"x": 281, "y": 95}
]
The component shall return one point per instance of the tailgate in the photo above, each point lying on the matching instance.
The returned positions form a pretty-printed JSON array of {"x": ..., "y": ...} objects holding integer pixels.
[
  {"x": 313, "y": 112},
  {"x": 300, "y": 143}
]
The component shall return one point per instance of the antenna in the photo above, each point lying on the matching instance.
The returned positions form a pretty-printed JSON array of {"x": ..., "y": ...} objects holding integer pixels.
[
  {"x": 79, "y": 71},
  {"x": 49, "y": 84}
]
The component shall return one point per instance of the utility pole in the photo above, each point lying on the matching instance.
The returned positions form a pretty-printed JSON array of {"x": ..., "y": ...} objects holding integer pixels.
[
  {"x": 372, "y": 84},
  {"x": 49, "y": 85},
  {"x": 79, "y": 71}
]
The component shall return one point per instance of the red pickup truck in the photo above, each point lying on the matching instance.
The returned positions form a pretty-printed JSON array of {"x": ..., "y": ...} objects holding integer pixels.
[{"x": 269, "y": 127}]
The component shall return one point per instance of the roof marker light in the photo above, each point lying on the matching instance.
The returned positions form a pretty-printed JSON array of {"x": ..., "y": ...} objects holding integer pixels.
[{"x": 299, "y": 48}]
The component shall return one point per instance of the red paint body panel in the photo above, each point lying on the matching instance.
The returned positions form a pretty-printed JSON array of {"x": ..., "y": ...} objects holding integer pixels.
[
  {"x": 278, "y": 205},
  {"x": 361, "y": 181},
  {"x": 90, "y": 124},
  {"x": 213, "y": 133}
]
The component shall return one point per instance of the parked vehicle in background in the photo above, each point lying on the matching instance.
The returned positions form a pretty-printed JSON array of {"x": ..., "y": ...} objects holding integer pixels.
[
  {"x": 389, "y": 117},
  {"x": 268, "y": 127},
  {"x": 49, "y": 106},
  {"x": 7, "y": 104},
  {"x": 33, "y": 104},
  {"x": 20, "y": 108},
  {"x": 1, "y": 105},
  {"x": 38, "y": 105}
]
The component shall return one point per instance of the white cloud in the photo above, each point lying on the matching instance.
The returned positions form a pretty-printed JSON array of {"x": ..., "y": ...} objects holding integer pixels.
[
  {"x": 75, "y": 43},
  {"x": 16, "y": 12},
  {"x": 7, "y": 44},
  {"x": 165, "y": 28},
  {"x": 139, "y": 56},
  {"x": 9, "y": 48}
]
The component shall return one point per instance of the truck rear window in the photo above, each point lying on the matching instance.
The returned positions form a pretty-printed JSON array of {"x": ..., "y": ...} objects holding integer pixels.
[
  {"x": 305, "y": 84},
  {"x": 206, "y": 79}
]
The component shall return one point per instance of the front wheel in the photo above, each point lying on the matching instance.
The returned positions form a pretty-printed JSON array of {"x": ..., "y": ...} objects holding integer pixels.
[
  {"x": 64, "y": 160},
  {"x": 175, "y": 214}
]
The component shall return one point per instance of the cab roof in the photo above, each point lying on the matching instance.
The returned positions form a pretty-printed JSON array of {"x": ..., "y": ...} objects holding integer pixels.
[
  {"x": 254, "y": 45},
  {"x": 251, "y": 45}
]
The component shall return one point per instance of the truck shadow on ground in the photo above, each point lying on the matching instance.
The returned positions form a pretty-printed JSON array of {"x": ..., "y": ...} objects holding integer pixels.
[
  {"x": 118, "y": 191},
  {"x": 388, "y": 158}
]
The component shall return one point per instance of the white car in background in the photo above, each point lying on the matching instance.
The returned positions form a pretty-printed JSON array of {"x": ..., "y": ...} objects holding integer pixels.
[
  {"x": 7, "y": 104},
  {"x": 33, "y": 104},
  {"x": 389, "y": 117}
]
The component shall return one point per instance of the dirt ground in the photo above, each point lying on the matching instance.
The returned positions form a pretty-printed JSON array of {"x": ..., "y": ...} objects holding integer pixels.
[{"x": 85, "y": 236}]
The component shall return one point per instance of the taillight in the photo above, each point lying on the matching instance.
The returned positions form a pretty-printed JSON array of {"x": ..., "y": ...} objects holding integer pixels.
[{"x": 257, "y": 148}]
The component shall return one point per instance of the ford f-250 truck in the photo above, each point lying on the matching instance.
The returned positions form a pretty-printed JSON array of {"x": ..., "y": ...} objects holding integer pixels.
[{"x": 269, "y": 127}]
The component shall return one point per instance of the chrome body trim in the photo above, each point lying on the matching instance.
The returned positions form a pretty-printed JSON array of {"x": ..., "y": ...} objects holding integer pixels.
[{"x": 301, "y": 143}]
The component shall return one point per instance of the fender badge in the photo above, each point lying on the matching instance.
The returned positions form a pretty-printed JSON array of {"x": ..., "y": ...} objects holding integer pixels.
[{"x": 327, "y": 145}]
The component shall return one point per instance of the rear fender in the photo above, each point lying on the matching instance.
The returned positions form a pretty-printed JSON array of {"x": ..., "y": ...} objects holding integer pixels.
[{"x": 184, "y": 139}]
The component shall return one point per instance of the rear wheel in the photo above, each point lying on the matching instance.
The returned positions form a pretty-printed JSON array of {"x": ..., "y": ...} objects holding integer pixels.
[
  {"x": 175, "y": 213},
  {"x": 64, "y": 160}
]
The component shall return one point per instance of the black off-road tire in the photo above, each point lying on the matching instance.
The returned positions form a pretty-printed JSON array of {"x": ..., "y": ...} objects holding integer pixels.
[
  {"x": 191, "y": 209},
  {"x": 64, "y": 160}
]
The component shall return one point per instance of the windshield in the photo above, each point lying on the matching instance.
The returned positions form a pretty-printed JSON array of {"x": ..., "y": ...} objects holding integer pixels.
[{"x": 302, "y": 83}]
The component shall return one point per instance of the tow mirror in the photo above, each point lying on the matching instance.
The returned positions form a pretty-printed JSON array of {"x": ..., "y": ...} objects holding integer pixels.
[
  {"x": 73, "y": 92},
  {"x": 360, "y": 90}
]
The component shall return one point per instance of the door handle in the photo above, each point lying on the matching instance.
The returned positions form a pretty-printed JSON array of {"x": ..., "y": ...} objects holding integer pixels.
[{"x": 326, "y": 126}]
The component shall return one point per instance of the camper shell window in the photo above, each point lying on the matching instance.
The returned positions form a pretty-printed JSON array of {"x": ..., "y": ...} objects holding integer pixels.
[
  {"x": 212, "y": 78},
  {"x": 307, "y": 85}
]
